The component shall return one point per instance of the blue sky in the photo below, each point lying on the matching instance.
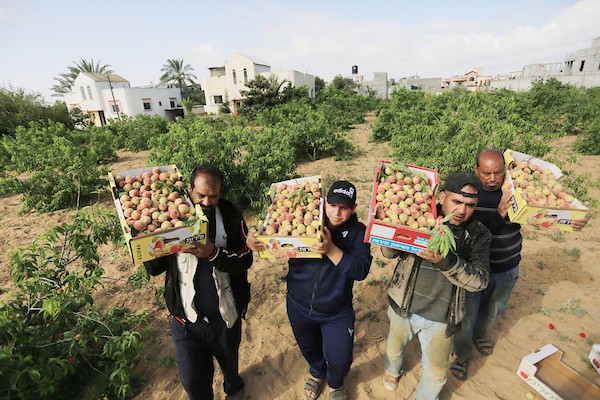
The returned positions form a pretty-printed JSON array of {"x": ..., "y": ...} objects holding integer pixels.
[{"x": 40, "y": 38}]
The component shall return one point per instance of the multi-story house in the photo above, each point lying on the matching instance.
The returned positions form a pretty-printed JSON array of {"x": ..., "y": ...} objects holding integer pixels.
[
  {"x": 472, "y": 81},
  {"x": 581, "y": 68},
  {"x": 225, "y": 82},
  {"x": 109, "y": 96}
]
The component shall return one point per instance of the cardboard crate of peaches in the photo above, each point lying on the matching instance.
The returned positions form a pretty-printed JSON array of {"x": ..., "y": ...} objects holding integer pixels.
[
  {"x": 294, "y": 218},
  {"x": 539, "y": 197},
  {"x": 156, "y": 215},
  {"x": 402, "y": 208}
]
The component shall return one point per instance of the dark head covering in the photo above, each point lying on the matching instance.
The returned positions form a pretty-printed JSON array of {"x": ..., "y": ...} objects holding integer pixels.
[
  {"x": 458, "y": 180},
  {"x": 342, "y": 192}
]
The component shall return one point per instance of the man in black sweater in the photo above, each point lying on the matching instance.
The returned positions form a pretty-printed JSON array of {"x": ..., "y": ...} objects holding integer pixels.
[
  {"x": 207, "y": 292},
  {"x": 505, "y": 255}
]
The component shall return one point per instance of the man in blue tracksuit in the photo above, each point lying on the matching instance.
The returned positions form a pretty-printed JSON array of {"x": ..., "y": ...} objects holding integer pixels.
[{"x": 319, "y": 298}]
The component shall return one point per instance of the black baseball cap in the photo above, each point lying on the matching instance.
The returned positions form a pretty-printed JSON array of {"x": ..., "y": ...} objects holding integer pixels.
[
  {"x": 342, "y": 192},
  {"x": 458, "y": 180}
]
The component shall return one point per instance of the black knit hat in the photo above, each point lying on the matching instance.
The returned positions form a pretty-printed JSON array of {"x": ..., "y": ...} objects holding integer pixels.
[
  {"x": 458, "y": 180},
  {"x": 342, "y": 192}
]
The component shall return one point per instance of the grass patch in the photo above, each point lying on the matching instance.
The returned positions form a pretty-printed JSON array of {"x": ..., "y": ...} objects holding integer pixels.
[
  {"x": 562, "y": 338},
  {"x": 168, "y": 361},
  {"x": 574, "y": 252},
  {"x": 558, "y": 236},
  {"x": 572, "y": 306},
  {"x": 544, "y": 311}
]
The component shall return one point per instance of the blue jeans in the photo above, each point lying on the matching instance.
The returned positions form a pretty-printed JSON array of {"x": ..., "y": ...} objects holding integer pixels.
[
  {"x": 482, "y": 310},
  {"x": 435, "y": 350}
]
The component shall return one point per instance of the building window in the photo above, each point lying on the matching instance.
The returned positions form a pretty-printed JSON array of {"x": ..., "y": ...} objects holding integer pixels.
[
  {"x": 234, "y": 76},
  {"x": 82, "y": 92},
  {"x": 147, "y": 104},
  {"x": 217, "y": 99},
  {"x": 581, "y": 66},
  {"x": 471, "y": 79},
  {"x": 245, "y": 75},
  {"x": 172, "y": 102},
  {"x": 90, "y": 93},
  {"x": 114, "y": 108}
]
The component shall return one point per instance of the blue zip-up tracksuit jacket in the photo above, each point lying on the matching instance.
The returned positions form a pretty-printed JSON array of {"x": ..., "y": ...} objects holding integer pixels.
[{"x": 317, "y": 285}]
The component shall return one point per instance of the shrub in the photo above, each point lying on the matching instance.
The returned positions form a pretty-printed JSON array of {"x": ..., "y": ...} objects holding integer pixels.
[{"x": 54, "y": 339}]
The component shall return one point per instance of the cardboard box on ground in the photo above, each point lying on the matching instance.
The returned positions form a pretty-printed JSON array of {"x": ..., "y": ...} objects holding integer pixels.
[
  {"x": 594, "y": 357},
  {"x": 539, "y": 198},
  {"x": 552, "y": 379},
  {"x": 402, "y": 206},
  {"x": 294, "y": 219},
  {"x": 156, "y": 239}
]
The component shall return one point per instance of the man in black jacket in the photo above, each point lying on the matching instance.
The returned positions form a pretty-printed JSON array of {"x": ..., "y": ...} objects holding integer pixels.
[
  {"x": 427, "y": 291},
  {"x": 207, "y": 291}
]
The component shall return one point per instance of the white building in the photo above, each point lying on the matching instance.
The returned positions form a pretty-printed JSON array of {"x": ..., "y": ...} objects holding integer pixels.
[
  {"x": 109, "y": 96},
  {"x": 226, "y": 82},
  {"x": 581, "y": 68}
]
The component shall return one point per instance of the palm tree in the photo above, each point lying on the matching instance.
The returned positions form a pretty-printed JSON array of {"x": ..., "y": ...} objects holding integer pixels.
[
  {"x": 66, "y": 79},
  {"x": 174, "y": 71}
]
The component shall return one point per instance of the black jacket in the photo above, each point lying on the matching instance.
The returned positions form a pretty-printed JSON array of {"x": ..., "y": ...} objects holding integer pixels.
[
  {"x": 235, "y": 259},
  {"x": 468, "y": 270},
  {"x": 316, "y": 284}
]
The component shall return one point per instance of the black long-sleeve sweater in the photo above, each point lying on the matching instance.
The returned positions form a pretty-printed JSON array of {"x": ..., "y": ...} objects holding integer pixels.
[{"x": 505, "y": 249}]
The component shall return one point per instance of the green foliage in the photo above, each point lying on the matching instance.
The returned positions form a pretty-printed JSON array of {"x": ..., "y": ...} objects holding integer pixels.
[
  {"x": 343, "y": 84},
  {"x": 195, "y": 94},
  {"x": 344, "y": 108},
  {"x": 446, "y": 132},
  {"x": 572, "y": 306},
  {"x": 54, "y": 338},
  {"x": 262, "y": 94},
  {"x": 578, "y": 185},
  {"x": 559, "y": 109},
  {"x": 252, "y": 157},
  {"x": 66, "y": 166},
  {"x": 19, "y": 108},
  {"x": 80, "y": 119},
  {"x": 589, "y": 143},
  {"x": 135, "y": 133},
  {"x": 574, "y": 252},
  {"x": 168, "y": 362},
  {"x": 188, "y": 104},
  {"x": 138, "y": 279},
  {"x": 224, "y": 107},
  {"x": 403, "y": 110},
  {"x": 319, "y": 84},
  {"x": 67, "y": 79},
  {"x": 312, "y": 131},
  {"x": 228, "y": 145},
  {"x": 176, "y": 72}
]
